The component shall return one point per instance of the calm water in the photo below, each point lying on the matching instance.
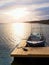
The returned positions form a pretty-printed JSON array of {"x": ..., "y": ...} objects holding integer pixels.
[
  {"x": 5, "y": 58},
  {"x": 9, "y": 39}
]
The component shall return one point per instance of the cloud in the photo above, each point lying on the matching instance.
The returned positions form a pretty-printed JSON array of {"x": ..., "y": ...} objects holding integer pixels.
[
  {"x": 45, "y": 17},
  {"x": 36, "y": 10},
  {"x": 43, "y": 11},
  {"x": 40, "y": 1},
  {"x": 24, "y": 1},
  {"x": 4, "y": 3},
  {"x": 17, "y": 2}
]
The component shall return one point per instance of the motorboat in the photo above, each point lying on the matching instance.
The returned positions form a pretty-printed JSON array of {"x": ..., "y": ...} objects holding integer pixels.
[{"x": 36, "y": 40}]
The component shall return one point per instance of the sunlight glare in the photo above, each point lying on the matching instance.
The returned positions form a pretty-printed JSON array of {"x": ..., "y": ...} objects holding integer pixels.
[
  {"x": 22, "y": 30},
  {"x": 18, "y": 29},
  {"x": 17, "y": 13}
]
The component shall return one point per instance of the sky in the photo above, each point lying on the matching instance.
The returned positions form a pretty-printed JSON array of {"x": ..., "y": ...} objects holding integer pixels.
[{"x": 23, "y": 10}]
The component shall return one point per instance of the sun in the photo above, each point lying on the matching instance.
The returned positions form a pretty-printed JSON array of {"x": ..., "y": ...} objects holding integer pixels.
[{"x": 18, "y": 13}]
